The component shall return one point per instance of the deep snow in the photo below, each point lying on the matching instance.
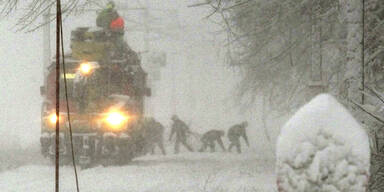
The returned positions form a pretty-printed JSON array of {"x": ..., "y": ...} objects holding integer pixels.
[{"x": 322, "y": 148}]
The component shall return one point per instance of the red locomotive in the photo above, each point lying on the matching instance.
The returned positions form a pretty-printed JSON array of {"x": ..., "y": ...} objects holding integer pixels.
[{"x": 106, "y": 87}]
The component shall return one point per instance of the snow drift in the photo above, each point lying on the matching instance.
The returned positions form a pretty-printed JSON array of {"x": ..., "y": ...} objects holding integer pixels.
[{"x": 322, "y": 148}]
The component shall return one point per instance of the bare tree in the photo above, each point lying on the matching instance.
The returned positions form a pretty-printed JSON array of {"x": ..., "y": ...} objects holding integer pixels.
[
  {"x": 31, "y": 10},
  {"x": 273, "y": 42}
]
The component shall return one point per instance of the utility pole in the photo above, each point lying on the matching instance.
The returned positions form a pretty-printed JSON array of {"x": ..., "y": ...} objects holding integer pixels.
[
  {"x": 146, "y": 26},
  {"x": 46, "y": 42},
  {"x": 57, "y": 138},
  {"x": 317, "y": 82},
  {"x": 149, "y": 106},
  {"x": 363, "y": 52},
  {"x": 173, "y": 89},
  {"x": 153, "y": 60},
  {"x": 174, "y": 71}
]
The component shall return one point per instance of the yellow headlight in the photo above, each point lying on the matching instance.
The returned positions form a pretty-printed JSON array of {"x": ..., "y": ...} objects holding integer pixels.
[
  {"x": 53, "y": 118},
  {"x": 116, "y": 119},
  {"x": 85, "y": 68}
]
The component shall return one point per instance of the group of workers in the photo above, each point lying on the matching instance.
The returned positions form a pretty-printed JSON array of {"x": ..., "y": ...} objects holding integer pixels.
[
  {"x": 112, "y": 22},
  {"x": 180, "y": 130}
]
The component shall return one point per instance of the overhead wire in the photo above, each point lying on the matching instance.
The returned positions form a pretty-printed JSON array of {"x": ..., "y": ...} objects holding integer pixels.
[
  {"x": 60, "y": 46},
  {"x": 67, "y": 105}
]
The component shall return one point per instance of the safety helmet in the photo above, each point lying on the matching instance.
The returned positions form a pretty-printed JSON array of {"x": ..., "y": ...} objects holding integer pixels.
[{"x": 110, "y": 5}]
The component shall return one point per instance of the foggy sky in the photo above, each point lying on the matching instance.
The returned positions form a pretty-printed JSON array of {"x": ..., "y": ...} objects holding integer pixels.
[{"x": 204, "y": 84}]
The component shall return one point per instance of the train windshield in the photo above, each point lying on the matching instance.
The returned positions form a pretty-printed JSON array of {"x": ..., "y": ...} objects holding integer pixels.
[{"x": 91, "y": 91}]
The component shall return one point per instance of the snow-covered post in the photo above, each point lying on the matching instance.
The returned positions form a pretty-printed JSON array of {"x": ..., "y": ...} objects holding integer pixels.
[
  {"x": 322, "y": 148},
  {"x": 351, "y": 12}
]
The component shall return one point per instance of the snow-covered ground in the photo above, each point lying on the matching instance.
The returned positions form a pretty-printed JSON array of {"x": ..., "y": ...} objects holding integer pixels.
[{"x": 187, "y": 172}]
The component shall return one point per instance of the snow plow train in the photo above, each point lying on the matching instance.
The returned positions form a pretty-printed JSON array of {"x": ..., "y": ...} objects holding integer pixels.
[{"x": 106, "y": 87}]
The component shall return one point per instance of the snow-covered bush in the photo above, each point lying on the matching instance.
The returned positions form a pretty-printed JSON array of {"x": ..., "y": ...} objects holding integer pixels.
[{"x": 322, "y": 148}]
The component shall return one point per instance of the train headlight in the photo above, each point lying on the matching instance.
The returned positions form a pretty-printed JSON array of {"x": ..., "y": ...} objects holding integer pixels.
[
  {"x": 53, "y": 118},
  {"x": 85, "y": 68},
  {"x": 116, "y": 119}
]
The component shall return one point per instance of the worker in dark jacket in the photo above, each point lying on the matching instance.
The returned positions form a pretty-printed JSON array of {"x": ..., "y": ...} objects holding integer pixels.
[
  {"x": 234, "y": 134},
  {"x": 180, "y": 129},
  {"x": 209, "y": 138},
  {"x": 153, "y": 135},
  {"x": 113, "y": 24},
  {"x": 107, "y": 16}
]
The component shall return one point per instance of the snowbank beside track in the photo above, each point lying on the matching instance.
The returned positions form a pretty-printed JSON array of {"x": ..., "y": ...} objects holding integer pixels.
[{"x": 322, "y": 148}]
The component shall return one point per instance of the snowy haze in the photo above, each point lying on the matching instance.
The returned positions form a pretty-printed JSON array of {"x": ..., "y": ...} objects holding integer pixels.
[
  {"x": 317, "y": 149},
  {"x": 204, "y": 85},
  {"x": 196, "y": 84},
  {"x": 20, "y": 78}
]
